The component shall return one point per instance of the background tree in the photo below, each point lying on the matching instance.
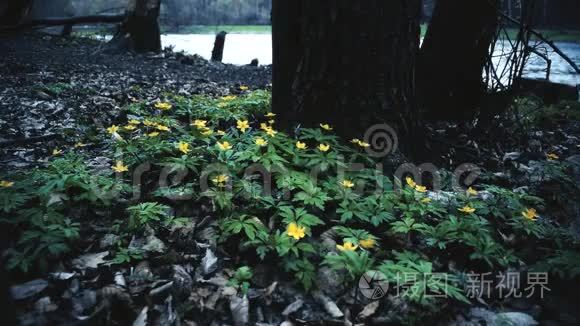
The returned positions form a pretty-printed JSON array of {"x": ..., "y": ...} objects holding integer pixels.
[
  {"x": 453, "y": 55},
  {"x": 349, "y": 63},
  {"x": 140, "y": 30}
]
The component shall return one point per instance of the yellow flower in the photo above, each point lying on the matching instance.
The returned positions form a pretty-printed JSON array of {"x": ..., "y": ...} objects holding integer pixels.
[
  {"x": 467, "y": 209},
  {"x": 6, "y": 184},
  {"x": 153, "y": 134},
  {"x": 220, "y": 180},
  {"x": 161, "y": 127},
  {"x": 228, "y": 98},
  {"x": 270, "y": 115},
  {"x": 134, "y": 122},
  {"x": 363, "y": 144},
  {"x": 355, "y": 141},
  {"x": 324, "y": 147},
  {"x": 56, "y": 152},
  {"x": 426, "y": 200},
  {"x": 113, "y": 129},
  {"x": 221, "y": 132},
  {"x": 149, "y": 123},
  {"x": 224, "y": 146},
  {"x": 200, "y": 124},
  {"x": 471, "y": 191},
  {"x": 530, "y": 214},
  {"x": 347, "y": 184},
  {"x": 367, "y": 244},
  {"x": 243, "y": 125},
  {"x": 421, "y": 188},
  {"x": 79, "y": 145},
  {"x": 271, "y": 121},
  {"x": 130, "y": 127},
  {"x": 244, "y": 88},
  {"x": 261, "y": 142},
  {"x": 552, "y": 157},
  {"x": 325, "y": 126},
  {"x": 120, "y": 167},
  {"x": 206, "y": 132},
  {"x": 296, "y": 231},
  {"x": 347, "y": 246},
  {"x": 301, "y": 145},
  {"x": 163, "y": 106},
  {"x": 271, "y": 132},
  {"x": 410, "y": 182},
  {"x": 183, "y": 147}
]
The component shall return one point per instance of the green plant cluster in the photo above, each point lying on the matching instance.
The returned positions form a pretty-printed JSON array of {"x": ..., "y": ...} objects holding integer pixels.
[{"x": 284, "y": 213}]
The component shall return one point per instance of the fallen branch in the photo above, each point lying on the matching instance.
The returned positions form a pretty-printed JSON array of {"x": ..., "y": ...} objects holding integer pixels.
[
  {"x": 545, "y": 40},
  {"x": 64, "y": 21}
]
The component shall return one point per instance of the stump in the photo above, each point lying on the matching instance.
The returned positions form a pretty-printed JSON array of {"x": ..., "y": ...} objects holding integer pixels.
[{"x": 218, "y": 47}]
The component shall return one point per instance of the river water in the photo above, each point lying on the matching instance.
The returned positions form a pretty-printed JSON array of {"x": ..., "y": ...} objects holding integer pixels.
[{"x": 242, "y": 48}]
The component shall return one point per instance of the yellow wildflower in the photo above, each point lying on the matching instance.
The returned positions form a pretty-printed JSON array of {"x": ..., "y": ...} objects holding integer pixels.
[
  {"x": 355, "y": 141},
  {"x": 163, "y": 106},
  {"x": 220, "y": 180},
  {"x": 79, "y": 145},
  {"x": 347, "y": 184},
  {"x": 206, "y": 132},
  {"x": 224, "y": 146},
  {"x": 421, "y": 188},
  {"x": 270, "y": 115},
  {"x": 221, "y": 132},
  {"x": 130, "y": 127},
  {"x": 347, "y": 246},
  {"x": 120, "y": 167},
  {"x": 149, "y": 123},
  {"x": 228, "y": 98},
  {"x": 471, "y": 191},
  {"x": 271, "y": 121},
  {"x": 296, "y": 231},
  {"x": 426, "y": 200},
  {"x": 410, "y": 182},
  {"x": 6, "y": 184},
  {"x": 552, "y": 157},
  {"x": 325, "y": 126},
  {"x": 153, "y": 134},
  {"x": 301, "y": 145},
  {"x": 200, "y": 124},
  {"x": 363, "y": 144},
  {"x": 161, "y": 127},
  {"x": 244, "y": 88},
  {"x": 467, "y": 209},
  {"x": 261, "y": 142},
  {"x": 134, "y": 122},
  {"x": 324, "y": 147},
  {"x": 367, "y": 244},
  {"x": 56, "y": 152},
  {"x": 243, "y": 125},
  {"x": 530, "y": 214},
  {"x": 113, "y": 129},
  {"x": 183, "y": 147},
  {"x": 271, "y": 132}
]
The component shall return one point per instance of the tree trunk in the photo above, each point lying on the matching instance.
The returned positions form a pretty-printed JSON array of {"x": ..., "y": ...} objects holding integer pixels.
[
  {"x": 217, "y": 53},
  {"x": 140, "y": 30},
  {"x": 453, "y": 56},
  {"x": 12, "y": 12},
  {"x": 347, "y": 63}
]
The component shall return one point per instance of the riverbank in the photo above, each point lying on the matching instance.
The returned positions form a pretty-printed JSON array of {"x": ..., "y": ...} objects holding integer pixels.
[
  {"x": 161, "y": 256},
  {"x": 555, "y": 35}
]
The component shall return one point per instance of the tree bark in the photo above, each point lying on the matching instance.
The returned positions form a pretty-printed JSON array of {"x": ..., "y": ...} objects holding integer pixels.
[
  {"x": 347, "y": 63},
  {"x": 453, "y": 56},
  {"x": 140, "y": 31},
  {"x": 12, "y": 12}
]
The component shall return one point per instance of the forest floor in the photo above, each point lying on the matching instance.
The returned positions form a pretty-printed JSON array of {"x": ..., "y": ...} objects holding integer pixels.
[{"x": 59, "y": 94}]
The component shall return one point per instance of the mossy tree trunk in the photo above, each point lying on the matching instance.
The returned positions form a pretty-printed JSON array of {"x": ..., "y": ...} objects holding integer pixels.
[
  {"x": 348, "y": 63},
  {"x": 454, "y": 55}
]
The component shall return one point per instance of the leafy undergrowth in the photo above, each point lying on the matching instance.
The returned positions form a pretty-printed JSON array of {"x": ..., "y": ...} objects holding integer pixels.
[{"x": 294, "y": 202}]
